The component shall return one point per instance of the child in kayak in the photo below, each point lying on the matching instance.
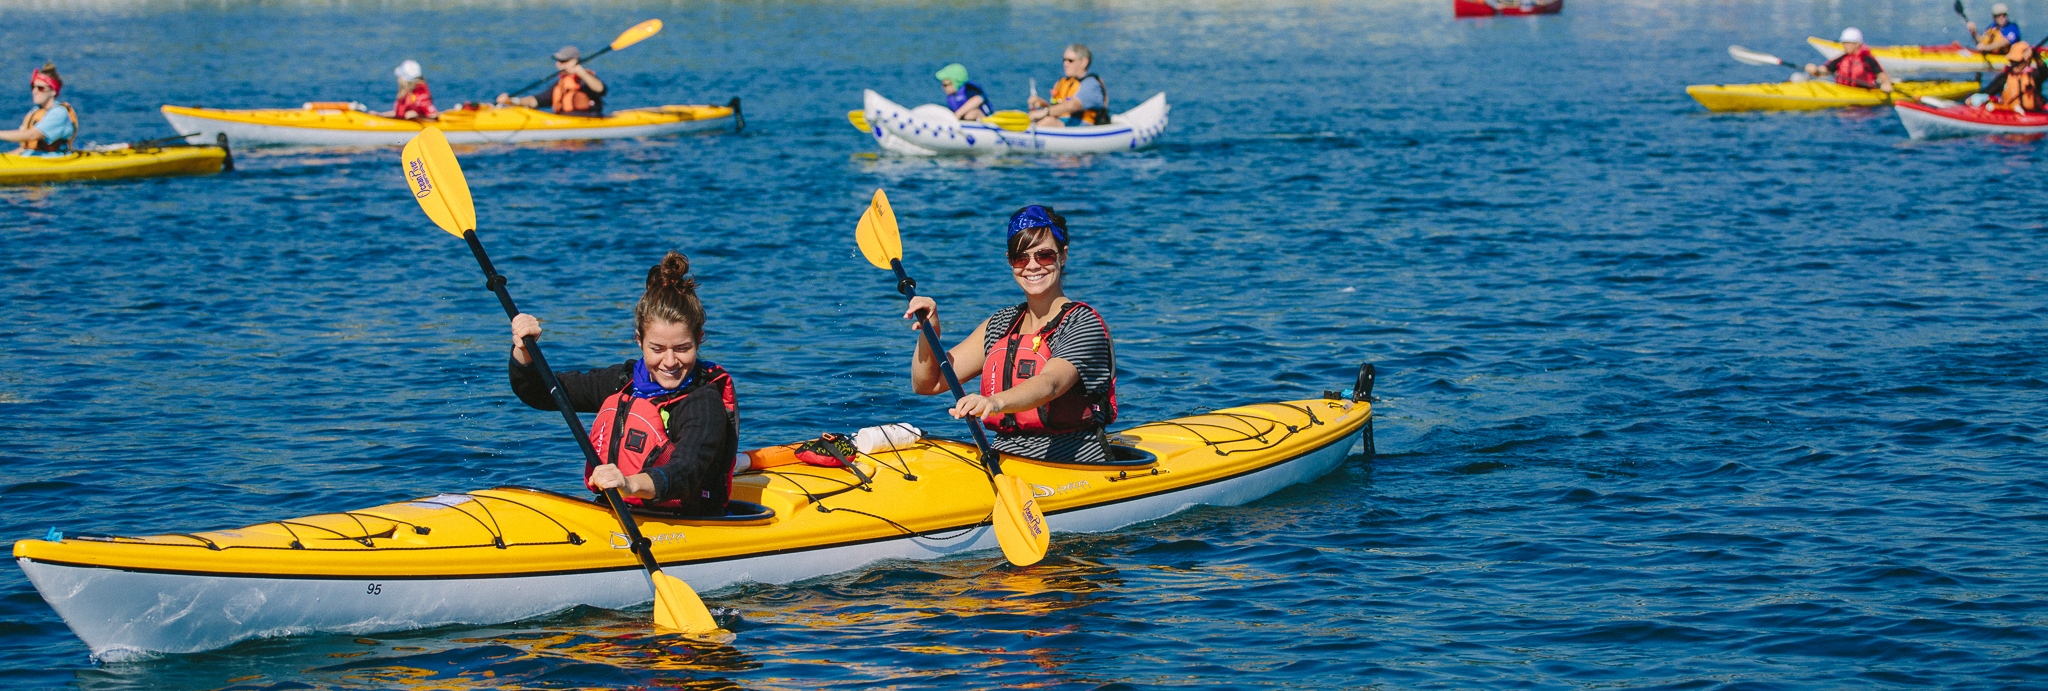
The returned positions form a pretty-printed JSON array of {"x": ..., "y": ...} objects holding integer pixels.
[
  {"x": 1998, "y": 37},
  {"x": 965, "y": 98},
  {"x": 1047, "y": 366},
  {"x": 49, "y": 129},
  {"x": 2016, "y": 88},
  {"x": 1856, "y": 66},
  {"x": 668, "y": 422},
  {"x": 414, "y": 101}
]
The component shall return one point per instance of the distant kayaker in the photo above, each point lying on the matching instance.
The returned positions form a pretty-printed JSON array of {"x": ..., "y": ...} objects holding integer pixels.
[
  {"x": 2017, "y": 87},
  {"x": 1078, "y": 98},
  {"x": 1856, "y": 66},
  {"x": 414, "y": 101},
  {"x": 1047, "y": 366},
  {"x": 965, "y": 98},
  {"x": 1998, "y": 37},
  {"x": 668, "y": 420},
  {"x": 577, "y": 90},
  {"x": 47, "y": 130}
]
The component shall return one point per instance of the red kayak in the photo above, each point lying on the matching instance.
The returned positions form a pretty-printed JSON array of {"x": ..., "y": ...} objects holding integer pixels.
[
  {"x": 1923, "y": 121},
  {"x": 1474, "y": 8}
]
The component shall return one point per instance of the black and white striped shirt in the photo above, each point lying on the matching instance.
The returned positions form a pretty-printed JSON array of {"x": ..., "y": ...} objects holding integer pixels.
[{"x": 1083, "y": 341}]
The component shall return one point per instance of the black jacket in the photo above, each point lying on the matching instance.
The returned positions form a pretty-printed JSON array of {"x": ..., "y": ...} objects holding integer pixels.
[{"x": 705, "y": 434}]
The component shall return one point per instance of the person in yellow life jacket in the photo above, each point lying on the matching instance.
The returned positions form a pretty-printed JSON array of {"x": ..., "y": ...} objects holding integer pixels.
[
  {"x": 415, "y": 101},
  {"x": 1047, "y": 365},
  {"x": 49, "y": 129},
  {"x": 577, "y": 90},
  {"x": 1856, "y": 66},
  {"x": 2018, "y": 87},
  {"x": 667, "y": 423},
  {"x": 1078, "y": 98},
  {"x": 1999, "y": 37}
]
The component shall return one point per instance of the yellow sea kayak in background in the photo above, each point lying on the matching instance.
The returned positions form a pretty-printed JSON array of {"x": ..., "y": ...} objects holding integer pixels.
[
  {"x": 349, "y": 124},
  {"x": 1899, "y": 60},
  {"x": 147, "y": 161},
  {"x": 1817, "y": 95}
]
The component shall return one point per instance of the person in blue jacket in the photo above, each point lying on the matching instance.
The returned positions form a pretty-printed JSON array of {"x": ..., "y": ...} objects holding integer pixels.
[
  {"x": 966, "y": 98},
  {"x": 1999, "y": 37}
]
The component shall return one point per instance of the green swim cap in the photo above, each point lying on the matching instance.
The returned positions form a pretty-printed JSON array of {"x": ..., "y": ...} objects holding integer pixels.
[{"x": 955, "y": 73}]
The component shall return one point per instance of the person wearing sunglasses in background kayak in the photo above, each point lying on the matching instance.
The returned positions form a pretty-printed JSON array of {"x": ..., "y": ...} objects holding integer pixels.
[
  {"x": 49, "y": 129},
  {"x": 415, "y": 101},
  {"x": 1079, "y": 98},
  {"x": 1998, "y": 37},
  {"x": 577, "y": 90},
  {"x": 966, "y": 98},
  {"x": 668, "y": 423},
  {"x": 1047, "y": 366},
  {"x": 1856, "y": 66}
]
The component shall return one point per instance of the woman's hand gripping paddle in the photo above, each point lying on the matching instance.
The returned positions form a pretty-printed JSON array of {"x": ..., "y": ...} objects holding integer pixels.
[
  {"x": 1020, "y": 526},
  {"x": 436, "y": 181},
  {"x": 639, "y": 32}
]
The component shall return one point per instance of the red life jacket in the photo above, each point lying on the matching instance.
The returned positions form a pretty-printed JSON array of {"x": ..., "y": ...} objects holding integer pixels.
[
  {"x": 1017, "y": 357},
  {"x": 569, "y": 98},
  {"x": 632, "y": 432},
  {"x": 1853, "y": 69},
  {"x": 416, "y": 102}
]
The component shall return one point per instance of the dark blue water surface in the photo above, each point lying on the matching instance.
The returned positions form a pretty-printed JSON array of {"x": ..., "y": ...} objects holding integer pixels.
[{"x": 1671, "y": 399}]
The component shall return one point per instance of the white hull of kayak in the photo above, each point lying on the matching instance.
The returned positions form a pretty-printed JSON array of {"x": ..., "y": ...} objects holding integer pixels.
[
  {"x": 930, "y": 129},
  {"x": 1922, "y": 124},
  {"x": 254, "y": 134},
  {"x": 122, "y": 614}
]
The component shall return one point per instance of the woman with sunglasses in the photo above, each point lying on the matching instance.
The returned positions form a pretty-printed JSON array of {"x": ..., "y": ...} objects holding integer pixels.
[
  {"x": 1047, "y": 366},
  {"x": 47, "y": 131}
]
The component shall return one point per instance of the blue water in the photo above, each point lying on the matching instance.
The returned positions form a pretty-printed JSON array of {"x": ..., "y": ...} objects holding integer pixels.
[{"x": 1670, "y": 399}]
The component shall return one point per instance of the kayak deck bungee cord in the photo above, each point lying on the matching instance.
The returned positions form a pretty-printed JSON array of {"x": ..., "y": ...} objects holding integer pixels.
[{"x": 511, "y": 553}]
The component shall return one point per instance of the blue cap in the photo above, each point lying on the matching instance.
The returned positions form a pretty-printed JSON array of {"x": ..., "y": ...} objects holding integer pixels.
[{"x": 1035, "y": 216}]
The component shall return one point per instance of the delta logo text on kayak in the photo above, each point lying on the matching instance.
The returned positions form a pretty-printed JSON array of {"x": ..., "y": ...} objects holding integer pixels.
[
  {"x": 620, "y": 541},
  {"x": 417, "y": 170}
]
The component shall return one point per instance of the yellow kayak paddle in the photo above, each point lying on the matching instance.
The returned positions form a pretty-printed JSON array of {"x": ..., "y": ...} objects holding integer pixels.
[
  {"x": 1019, "y": 525},
  {"x": 1012, "y": 120},
  {"x": 437, "y": 182}
]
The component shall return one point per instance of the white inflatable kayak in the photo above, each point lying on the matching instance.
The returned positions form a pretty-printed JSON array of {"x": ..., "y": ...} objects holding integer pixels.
[
  {"x": 931, "y": 129},
  {"x": 1925, "y": 121}
]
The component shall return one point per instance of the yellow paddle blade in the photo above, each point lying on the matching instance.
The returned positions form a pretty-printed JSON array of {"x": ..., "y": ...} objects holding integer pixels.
[
  {"x": 436, "y": 181},
  {"x": 677, "y": 607},
  {"x": 876, "y": 233},
  {"x": 1012, "y": 120},
  {"x": 1020, "y": 527},
  {"x": 859, "y": 120},
  {"x": 639, "y": 32}
]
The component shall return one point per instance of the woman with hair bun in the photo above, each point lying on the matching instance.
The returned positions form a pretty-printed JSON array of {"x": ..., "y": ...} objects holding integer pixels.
[
  {"x": 1047, "y": 366},
  {"x": 668, "y": 422}
]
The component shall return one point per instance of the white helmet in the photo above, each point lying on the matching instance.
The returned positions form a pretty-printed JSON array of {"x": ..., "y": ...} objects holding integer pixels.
[
  {"x": 1852, "y": 35},
  {"x": 407, "y": 71},
  {"x": 1998, "y": 8}
]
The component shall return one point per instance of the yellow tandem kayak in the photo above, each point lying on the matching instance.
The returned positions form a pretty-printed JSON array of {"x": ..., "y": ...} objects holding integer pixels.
[
  {"x": 1816, "y": 95},
  {"x": 149, "y": 161},
  {"x": 1899, "y": 60},
  {"x": 348, "y": 124},
  {"x": 499, "y": 555}
]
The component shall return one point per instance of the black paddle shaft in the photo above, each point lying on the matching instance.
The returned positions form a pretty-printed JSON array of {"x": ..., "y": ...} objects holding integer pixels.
[
  {"x": 558, "y": 73},
  {"x": 641, "y": 546},
  {"x": 908, "y": 287}
]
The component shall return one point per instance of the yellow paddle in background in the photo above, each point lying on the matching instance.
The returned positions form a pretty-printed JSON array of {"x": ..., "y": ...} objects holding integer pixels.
[
  {"x": 1019, "y": 525},
  {"x": 437, "y": 182},
  {"x": 1012, "y": 120},
  {"x": 639, "y": 32}
]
